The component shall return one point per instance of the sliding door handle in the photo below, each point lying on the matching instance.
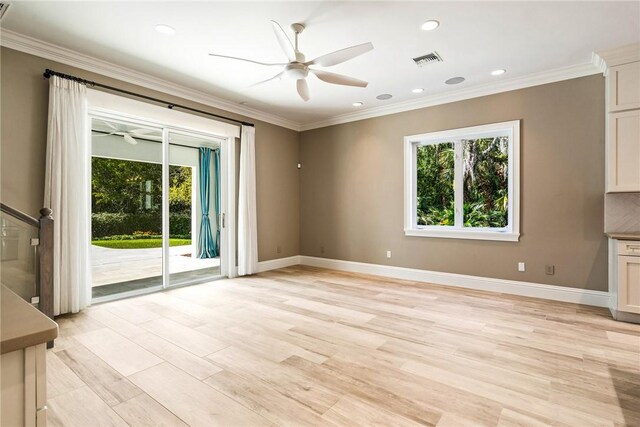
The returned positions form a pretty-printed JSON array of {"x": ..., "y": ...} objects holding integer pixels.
[{"x": 222, "y": 220}]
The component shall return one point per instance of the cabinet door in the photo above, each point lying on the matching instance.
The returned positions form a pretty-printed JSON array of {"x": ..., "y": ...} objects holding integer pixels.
[
  {"x": 624, "y": 87},
  {"x": 629, "y": 284},
  {"x": 623, "y": 152}
]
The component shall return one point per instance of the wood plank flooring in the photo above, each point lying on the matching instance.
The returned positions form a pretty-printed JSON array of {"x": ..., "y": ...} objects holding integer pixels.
[{"x": 303, "y": 346}]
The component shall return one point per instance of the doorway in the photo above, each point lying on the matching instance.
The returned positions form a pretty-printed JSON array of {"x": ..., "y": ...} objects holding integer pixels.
[{"x": 158, "y": 203}]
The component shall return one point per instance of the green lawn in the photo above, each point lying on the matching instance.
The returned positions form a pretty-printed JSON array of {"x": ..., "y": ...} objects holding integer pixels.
[{"x": 139, "y": 243}]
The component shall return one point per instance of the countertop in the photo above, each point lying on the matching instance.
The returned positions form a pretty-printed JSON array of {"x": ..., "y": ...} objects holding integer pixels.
[
  {"x": 21, "y": 324},
  {"x": 623, "y": 236}
]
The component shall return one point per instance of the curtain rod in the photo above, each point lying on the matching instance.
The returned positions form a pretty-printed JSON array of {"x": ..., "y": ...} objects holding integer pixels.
[{"x": 48, "y": 73}]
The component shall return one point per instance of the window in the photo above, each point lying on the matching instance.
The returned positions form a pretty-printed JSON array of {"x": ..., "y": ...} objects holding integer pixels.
[{"x": 464, "y": 183}]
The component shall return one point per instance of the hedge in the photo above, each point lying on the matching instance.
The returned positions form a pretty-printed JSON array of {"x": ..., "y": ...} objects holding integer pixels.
[
  {"x": 140, "y": 237},
  {"x": 118, "y": 224}
]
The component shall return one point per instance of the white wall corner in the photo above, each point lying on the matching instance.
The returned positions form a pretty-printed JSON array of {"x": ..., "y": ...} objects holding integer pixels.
[
  {"x": 273, "y": 264},
  {"x": 606, "y": 59},
  {"x": 599, "y": 63},
  {"x": 512, "y": 287}
]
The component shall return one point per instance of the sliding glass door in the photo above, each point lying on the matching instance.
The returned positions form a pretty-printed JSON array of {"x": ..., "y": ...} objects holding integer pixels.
[
  {"x": 155, "y": 207},
  {"x": 194, "y": 208}
]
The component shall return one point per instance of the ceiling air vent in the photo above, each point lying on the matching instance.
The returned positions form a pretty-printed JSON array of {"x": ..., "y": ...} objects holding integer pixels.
[
  {"x": 3, "y": 9},
  {"x": 429, "y": 58}
]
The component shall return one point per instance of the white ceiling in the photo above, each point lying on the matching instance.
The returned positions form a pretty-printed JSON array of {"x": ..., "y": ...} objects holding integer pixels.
[{"x": 474, "y": 38}]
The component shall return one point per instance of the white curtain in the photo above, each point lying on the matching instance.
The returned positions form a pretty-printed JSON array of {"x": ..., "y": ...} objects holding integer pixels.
[
  {"x": 247, "y": 218},
  {"x": 66, "y": 193}
]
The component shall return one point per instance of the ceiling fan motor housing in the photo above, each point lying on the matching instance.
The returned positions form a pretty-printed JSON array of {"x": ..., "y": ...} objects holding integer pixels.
[{"x": 296, "y": 70}]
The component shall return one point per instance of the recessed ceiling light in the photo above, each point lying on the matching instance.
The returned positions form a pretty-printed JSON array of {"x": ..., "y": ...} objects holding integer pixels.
[
  {"x": 417, "y": 90},
  {"x": 454, "y": 80},
  {"x": 384, "y": 96},
  {"x": 358, "y": 104},
  {"x": 165, "y": 29},
  {"x": 498, "y": 72},
  {"x": 430, "y": 25}
]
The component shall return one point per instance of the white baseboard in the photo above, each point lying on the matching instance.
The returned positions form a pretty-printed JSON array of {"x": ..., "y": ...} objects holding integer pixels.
[
  {"x": 272, "y": 264},
  {"x": 514, "y": 287}
]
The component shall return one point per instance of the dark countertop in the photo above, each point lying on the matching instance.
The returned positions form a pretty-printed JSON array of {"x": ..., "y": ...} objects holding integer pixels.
[{"x": 21, "y": 324}]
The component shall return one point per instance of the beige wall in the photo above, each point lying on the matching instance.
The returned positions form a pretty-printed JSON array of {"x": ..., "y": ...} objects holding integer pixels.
[
  {"x": 351, "y": 188},
  {"x": 348, "y": 197},
  {"x": 23, "y": 121}
]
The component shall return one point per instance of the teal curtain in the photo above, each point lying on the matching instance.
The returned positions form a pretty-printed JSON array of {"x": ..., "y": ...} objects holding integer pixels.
[
  {"x": 206, "y": 242},
  {"x": 216, "y": 199}
]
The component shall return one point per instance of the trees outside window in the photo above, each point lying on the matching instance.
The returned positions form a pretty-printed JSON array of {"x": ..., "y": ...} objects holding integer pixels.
[{"x": 463, "y": 183}]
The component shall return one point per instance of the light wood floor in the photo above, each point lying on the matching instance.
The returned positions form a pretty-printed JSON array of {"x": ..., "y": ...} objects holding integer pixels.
[{"x": 303, "y": 346}]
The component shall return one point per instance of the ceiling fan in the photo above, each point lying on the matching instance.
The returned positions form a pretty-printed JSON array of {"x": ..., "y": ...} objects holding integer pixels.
[
  {"x": 298, "y": 67},
  {"x": 127, "y": 135}
]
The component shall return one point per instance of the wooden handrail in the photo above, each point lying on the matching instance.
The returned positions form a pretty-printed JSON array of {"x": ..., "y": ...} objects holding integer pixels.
[{"x": 20, "y": 215}]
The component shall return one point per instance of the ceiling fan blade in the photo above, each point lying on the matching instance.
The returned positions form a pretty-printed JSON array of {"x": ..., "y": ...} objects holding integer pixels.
[
  {"x": 111, "y": 125},
  {"x": 303, "y": 89},
  {"x": 142, "y": 131},
  {"x": 245, "y": 60},
  {"x": 284, "y": 41},
  {"x": 342, "y": 55},
  {"x": 129, "y": 139},
  {"x": 338, "y": 79},
  {"x": 280, "y": 74},
  {"x": 101, "y": 133}
]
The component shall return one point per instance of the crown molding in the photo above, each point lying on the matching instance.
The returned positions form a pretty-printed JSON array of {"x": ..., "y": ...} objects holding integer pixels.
[
  {"x": 599, "y": 63},
  {"x": 555, "y": 75},
  {"x": 606, "y": 59},
  {"x": 32, "y": 46}
]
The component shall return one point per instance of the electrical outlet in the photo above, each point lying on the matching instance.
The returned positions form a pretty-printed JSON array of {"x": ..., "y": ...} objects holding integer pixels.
[
  {"x": 521, "y": 266},
  {"x": 321, "y": 249},
  {"x": 279, "y": 249},
  {"x": 388, "y": 254},
  {"x": 550, "y": 269}
]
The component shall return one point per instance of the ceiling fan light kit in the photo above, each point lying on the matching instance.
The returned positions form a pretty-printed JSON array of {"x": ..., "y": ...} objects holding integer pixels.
[{"x": 298, "y": 67}]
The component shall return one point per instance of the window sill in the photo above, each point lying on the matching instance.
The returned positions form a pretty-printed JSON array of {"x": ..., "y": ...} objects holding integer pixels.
[{"x": 503, "y": 236}]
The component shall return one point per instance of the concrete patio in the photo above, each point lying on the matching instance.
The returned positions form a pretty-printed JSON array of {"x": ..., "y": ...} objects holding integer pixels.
[{"x": 111, "y": 266}]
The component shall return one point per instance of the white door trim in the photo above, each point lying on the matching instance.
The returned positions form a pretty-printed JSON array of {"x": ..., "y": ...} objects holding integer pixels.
[{"x": 228, "y": 207}]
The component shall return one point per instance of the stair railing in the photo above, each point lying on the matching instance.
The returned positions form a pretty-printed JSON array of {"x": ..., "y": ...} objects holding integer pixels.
[{"x": 44, "y": 244}]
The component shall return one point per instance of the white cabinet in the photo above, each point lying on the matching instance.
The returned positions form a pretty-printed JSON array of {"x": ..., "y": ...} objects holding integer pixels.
[
  {"x": 628, "y": 274},
  {"x": 623, "y": 151},
  {"x": 621, "y": 66},
  {"x": 24, "y": 393},
  {"x": 24, "y": 333},
  {"x": 624, "y": 87}
]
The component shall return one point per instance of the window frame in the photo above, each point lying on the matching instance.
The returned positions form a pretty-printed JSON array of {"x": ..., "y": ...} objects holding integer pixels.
[{"x": 509, "y": 233}]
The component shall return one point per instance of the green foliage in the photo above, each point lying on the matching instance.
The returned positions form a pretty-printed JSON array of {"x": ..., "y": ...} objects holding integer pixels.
[
  {"x": 127, "y": 198},
  {"x": 113, "y": 224},
  {"x": 435, "y": 168},
  {"x": 138, "y": 243},
  {"x": 120, "y": 186},
  {"x": 180, "y": 189},
  {"x": 125, "y": 186},
  {"x": 485, "y": 183},
  {"x": 139, "y": 236}
]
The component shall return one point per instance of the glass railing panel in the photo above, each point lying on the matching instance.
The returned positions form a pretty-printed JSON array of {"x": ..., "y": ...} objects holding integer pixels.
[{"x": 19, "y": 256}]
